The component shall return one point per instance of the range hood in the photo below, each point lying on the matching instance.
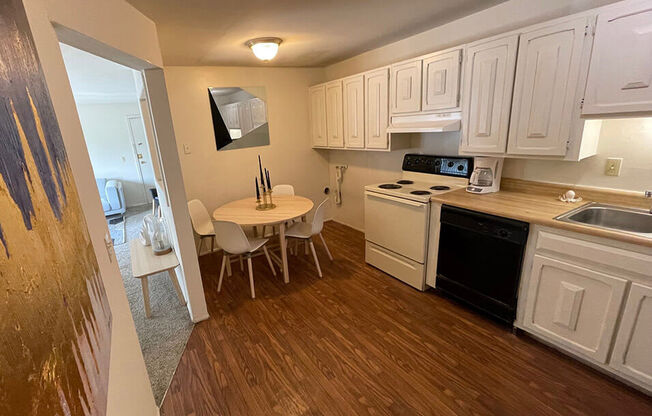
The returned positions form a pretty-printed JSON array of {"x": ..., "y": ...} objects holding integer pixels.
[{"x": 425, "y": 123}]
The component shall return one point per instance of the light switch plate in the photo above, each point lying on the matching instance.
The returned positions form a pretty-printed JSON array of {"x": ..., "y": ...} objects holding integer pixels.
[
  {"x": 613, "y": 165},
  {"x": 186, "y": 148}
]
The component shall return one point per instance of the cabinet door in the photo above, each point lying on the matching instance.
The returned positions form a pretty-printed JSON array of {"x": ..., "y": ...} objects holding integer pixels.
[
  {"x": 633, "y": 349},
  {"x": 441, "y": 81},
  {"x": 334, "y": 124},
  {"x": 620, "y": 75},
  {"x": 354, "y": 111},
  {"x": 547, "y": 78},
  {"x": 376, "y": 108},
  {"x": 244, "y": 117},
  {"x": 258, "y": 112},
  {"x": 573, "y": 306},
  {"x": 488, "y": 85},
  {"x": 405, "y": 87},
  {"x": 318, "y": 115}
]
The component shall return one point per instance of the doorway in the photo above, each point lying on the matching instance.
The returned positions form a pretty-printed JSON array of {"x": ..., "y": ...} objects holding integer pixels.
[{"x": 121, "y": 147}]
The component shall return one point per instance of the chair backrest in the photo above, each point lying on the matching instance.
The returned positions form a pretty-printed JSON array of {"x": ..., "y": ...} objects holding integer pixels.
[
  {"x": 231, "y": 237},
  {"x": 283, "y": 190},
  {"x": 201, "y": 221},
  {"x": 318, "y": 219}
]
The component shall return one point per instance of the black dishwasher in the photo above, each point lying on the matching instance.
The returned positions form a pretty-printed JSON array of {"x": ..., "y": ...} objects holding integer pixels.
[{"x": 480, "y": 258}]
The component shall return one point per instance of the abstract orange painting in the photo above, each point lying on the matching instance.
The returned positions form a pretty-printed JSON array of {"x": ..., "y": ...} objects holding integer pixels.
[{"x": 55, "y": 321}]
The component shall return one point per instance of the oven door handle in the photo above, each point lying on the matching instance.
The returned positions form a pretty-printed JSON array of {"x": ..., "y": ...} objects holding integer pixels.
[{"x": 395, "y": 199}]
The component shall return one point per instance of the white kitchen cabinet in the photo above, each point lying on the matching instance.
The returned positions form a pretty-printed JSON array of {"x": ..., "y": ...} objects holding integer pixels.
[
  {"x": 376, "y": 108},
  {"x": 334, "y": 123},
  {"x": 632, "y": 353},
  {"x": 441, "y": 81},
  {"x": 405, "y": 87},
  {"x": 548, "y": 77},
  {"x": 620, "y": 74},
  {"x": 573, "y": 305},
  {"x": 353, "y": 107},
  {"x": 244, "y": 117},
  {"x": 258, "y": 112},
  {"x": 487, "y": 92},
  {"x": 318, "y": 116}
]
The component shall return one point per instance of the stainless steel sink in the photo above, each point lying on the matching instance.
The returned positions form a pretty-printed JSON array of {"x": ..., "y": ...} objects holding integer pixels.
[{"x": 629, "y": 220}]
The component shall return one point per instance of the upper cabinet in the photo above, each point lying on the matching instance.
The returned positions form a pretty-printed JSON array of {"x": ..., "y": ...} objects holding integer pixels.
[
  {"x": 334, "y": 124},
  {"x": 376, "y": 108},
  {"x": 405, "y": 87},
  {"x": 620, "y": 75},
  {"x": 353, "y": 90},
  {"x": 317, "y": 96},
  {"x": 489, "y": 77},
  {"x": 547, "y": 93},
  {"x": 441, "y": 81}
]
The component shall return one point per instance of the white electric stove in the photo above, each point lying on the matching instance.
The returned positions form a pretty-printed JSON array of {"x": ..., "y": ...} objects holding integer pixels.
[{"x": 397, "y": 214}]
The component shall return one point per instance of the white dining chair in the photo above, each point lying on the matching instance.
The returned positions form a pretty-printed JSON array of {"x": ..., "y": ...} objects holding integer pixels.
[
  {"x": 282, "y": 190},
  {"x": 201, "y": 223},
  {"x": 306, "y": 230},
  {"x": 233, "y": 241}
]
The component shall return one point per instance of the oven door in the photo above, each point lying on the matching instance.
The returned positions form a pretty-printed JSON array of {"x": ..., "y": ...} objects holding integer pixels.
[{"x": 397, "y": 224}]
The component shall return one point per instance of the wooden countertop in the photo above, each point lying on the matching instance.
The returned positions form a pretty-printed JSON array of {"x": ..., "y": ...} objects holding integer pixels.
[{"x": 537, "y": 203}]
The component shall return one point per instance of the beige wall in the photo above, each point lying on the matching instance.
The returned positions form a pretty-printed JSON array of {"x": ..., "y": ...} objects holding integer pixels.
[
  {"x": 119, "y": 25},
  {"x": 218, "y": 177},
  {"x": 630, "y": 139},
  {"x": 367, "y": 167}
]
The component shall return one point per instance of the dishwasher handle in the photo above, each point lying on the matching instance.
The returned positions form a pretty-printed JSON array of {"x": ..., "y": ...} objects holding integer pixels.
[{"x": 395, "y": 199}]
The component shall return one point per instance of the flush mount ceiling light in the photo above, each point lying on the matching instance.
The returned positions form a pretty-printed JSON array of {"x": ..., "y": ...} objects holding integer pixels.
[{"x": 265, "y": 49}]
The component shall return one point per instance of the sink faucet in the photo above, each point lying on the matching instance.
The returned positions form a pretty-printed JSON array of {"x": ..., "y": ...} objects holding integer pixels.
[{"x": 648, "y": 194}]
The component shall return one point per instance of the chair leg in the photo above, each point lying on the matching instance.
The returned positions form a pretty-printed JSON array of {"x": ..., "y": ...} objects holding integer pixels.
[
  {"x": 305, "y": 247},
  {"x": 228, "y": 265},
  {"x": 269, "y": 260},
  {"x": 251, "y": 277},
  {"x": 314, "y": 255},
  {"x": 241, "y": 264},
  {"x": 212, "y": 243},
  {"x": 326, "y": 247},
  {"x": 224, "y": 261}
]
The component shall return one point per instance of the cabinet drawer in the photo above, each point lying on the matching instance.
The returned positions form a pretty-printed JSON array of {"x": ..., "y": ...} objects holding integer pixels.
[
  {"x": 573, "y": 306},
  {"x": 594, "y": 253}
]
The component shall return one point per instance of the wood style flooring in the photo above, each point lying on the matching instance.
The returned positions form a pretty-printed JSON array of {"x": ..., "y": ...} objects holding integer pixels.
[{"x": 359, "y": 342}]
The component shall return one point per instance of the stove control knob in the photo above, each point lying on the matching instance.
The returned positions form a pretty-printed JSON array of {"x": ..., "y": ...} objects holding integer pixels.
[{"x": 451, "y": 164}]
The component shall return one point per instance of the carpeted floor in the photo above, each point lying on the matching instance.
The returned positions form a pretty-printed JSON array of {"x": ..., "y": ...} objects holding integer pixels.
[{"x": 163, "y": 336}]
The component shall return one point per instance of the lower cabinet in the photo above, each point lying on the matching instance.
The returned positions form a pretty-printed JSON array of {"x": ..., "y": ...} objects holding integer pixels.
[
  {"x": 632, "y": 353},
  {"x": 590, "y": 297},
  {"x": 573, "y": 305}
]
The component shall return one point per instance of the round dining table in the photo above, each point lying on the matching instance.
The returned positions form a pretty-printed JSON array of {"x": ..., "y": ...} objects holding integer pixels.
[{"x": 244, "y": 213}]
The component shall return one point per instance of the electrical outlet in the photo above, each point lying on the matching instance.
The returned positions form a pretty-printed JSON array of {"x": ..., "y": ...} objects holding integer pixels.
[
  {"x": 613, "y": 165},
  {"x": 186, "y": 148}
]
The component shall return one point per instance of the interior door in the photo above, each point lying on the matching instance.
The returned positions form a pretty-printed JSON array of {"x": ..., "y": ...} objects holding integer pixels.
[
  {"x": 244, "y": 117},
  {"x": 405, "y": 87},
  {"x": 143, "y": 157},
  {"x": 490, "y": 68},
  {"x": 354, "y": 112},
  {"x": 441, "y": 81},
  {"x": 633, "y": 348},
  {"x": 620, "y": 76},
  {"x": 318, "y": 115},
  {"x": 547, "y": 77},
  {"x": 258, "y": 112},
  {"x": 334, "y": 123},
  {"x": 376, "y": 108},
  {"x": 574, "y": 306}
]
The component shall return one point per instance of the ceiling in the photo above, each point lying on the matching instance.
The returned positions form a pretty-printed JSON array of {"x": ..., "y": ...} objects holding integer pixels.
[
  {"x": 97, "y": 80},
  {"x": 314, "y": 32}
]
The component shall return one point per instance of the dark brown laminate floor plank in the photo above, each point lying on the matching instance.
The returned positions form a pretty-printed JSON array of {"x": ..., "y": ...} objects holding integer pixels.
[{"x": 358, "y": 342}]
